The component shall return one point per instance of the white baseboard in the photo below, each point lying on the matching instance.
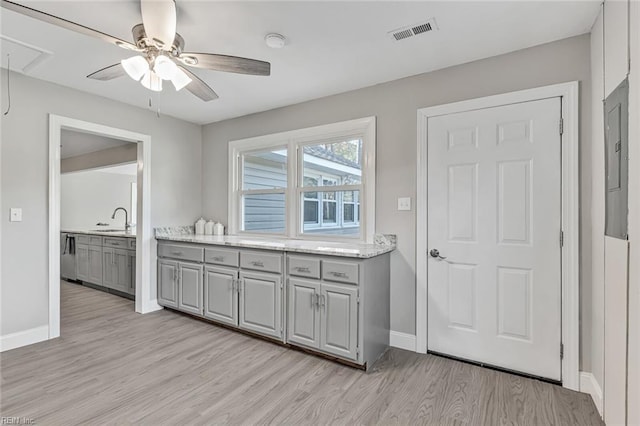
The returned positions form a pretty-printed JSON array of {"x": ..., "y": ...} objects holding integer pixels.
[
  {"x": 589, "y": 384},
  {"x": 24, "y": 338},
  {"x": 151, "y": 306},
  {"x": 402, "y": 340}
]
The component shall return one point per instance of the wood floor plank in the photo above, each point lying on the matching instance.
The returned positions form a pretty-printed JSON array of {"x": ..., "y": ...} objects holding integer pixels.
[{"x": 113, "y": 366}]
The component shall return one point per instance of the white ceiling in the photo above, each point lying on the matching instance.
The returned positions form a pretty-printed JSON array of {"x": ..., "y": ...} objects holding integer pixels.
[
  {"x": 73, "y": 143},
  {"x": 333, "y": 46}
]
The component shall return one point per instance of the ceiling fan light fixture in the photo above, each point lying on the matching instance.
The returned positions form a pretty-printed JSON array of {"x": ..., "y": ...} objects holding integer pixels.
[
  {"x": 180, "y": 79},
  {"x": 135, "y": 67},
  {"x": 151, "y": 81},
  {"x": 165, "y": 68}
]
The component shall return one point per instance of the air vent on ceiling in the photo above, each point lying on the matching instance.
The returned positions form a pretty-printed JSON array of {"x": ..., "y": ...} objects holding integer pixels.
[
  {"x": 413, "y": 30},
  {"x": 24, "y": 57}
]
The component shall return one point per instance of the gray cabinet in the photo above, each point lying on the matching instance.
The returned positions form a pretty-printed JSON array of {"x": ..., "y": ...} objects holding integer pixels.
[
  {"x": 339, "y": 320},
  {"x": 131, "y": 258},
  {"x": 82, "y": 262},
  {"x": 303, "y": 316},
  {"x": 261, "y": 303},
  {"x": 116, "y": 273},
  {"x": 94, "y": 274},
  {"x": 168, "y": 283},
  {"x": 190, "y": 287},
  {"x": 221, "y": 294}
]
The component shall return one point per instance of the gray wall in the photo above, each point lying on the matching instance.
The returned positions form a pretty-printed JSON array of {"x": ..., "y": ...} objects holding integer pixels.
[
  {"x": 395, "y": 104},
  {"x": 175, "y": 181},
  {"x": 107, "y": 157}
]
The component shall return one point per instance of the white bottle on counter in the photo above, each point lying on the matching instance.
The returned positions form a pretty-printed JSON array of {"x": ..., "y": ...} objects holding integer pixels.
[
  {"x": 200, "y": 226},
  {"x": 218, "y": 229},
  {"x": 208, "y": 228}
]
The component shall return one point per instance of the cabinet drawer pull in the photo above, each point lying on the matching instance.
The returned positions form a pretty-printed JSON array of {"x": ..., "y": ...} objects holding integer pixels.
[
  {"x": 219, "y": 258},
  {"x": 258, "y": 264},
  {"x": 339, "y": 274},
  {"x": 176, "y": 253},
  {"x": 302, "y": 269}
]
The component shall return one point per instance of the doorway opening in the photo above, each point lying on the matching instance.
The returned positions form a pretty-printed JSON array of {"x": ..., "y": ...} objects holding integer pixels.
[{"x": 61, "y": 127}]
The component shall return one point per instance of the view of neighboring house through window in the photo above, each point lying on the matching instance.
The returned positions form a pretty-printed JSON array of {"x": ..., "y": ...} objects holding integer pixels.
[
  {"x": 264, "y": 181},
  {"x": 310, "y": 182}
]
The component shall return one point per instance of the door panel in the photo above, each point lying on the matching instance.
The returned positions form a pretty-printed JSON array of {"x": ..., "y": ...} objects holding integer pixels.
[
  {"x": 494, "y": 213},
  {"x": 132, "y": 270},
  {"x": 122, "y": 270},
  {"x": 260, "y": 303},
  {"x": 95, "y": 265},
  {"x": 190, "y": 287},
  {"x": 303, "y": 313},
  {"x": 82, "y": 262},
  {"x": 220, "y": 295},
  {"x": 109, "y": 270},
  {"x": 168, "y": 283},
  {"x": 339, "y": 327}
]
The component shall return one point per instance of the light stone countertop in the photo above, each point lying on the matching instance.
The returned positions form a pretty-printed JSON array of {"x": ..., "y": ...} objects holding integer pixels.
[
  {"x": 357, "y": 250},
  {"x": 102, "y": 233}
]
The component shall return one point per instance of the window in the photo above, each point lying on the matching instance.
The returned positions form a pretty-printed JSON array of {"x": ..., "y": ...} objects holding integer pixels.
[{"x": 309, "y": 183}]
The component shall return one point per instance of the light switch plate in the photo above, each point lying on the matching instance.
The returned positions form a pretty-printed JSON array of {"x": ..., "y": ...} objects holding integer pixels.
[
  {"x": 16, "y": 214},
  {"x": 404, "y": 203}
]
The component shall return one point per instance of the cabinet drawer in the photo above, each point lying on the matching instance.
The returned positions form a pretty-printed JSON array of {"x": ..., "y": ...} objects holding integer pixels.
[
  {"x": 304, "y": 266},
  {"x": 176, "y": 251},
  {"x": 92, "y": 240},
  {"x": 261, "y": 261},
  {"x": 116, "y": 242},
  {"x": 132, "y": 243},
  {"x": 344, "y": 272},
  {"x": 221, "y": 256}
]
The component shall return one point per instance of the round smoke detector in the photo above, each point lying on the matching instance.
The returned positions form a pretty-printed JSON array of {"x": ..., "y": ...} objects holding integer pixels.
[{"x": 275, "y": 41}]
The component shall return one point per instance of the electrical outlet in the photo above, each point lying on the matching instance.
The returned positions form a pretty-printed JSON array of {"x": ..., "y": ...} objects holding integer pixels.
[
  {"x": 16, "y": 215},
  {"x": 404, "y": 203}
]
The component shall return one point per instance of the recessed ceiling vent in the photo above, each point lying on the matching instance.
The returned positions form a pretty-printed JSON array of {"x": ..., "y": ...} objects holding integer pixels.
[{"x": 413, "y": 30}]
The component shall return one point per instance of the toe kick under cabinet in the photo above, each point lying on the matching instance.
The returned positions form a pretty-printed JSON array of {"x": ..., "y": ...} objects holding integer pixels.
[{"x": 331, "y": 305}]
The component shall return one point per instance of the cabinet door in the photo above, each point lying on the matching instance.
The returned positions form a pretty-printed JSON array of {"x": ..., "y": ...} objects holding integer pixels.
[
  {"x": 95, "y": 265},
  {"x": 261, "y": 303},
  {"x": 303, "y": 315},
  {"x": 109, "y": 271},
  {"x": 339, "y": 320},
  {"x": 168, "y": 283},
  {"x": 221, "y": 295},
  {"x": 190, "y": 287},
  {"x": 82, "y": 262},
  {"x": 132, "y": 269},
  {"x": 122, "y": 269}
]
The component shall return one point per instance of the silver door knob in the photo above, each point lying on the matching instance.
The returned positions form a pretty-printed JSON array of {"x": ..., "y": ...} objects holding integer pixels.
[{"x": 436, "y": 253}]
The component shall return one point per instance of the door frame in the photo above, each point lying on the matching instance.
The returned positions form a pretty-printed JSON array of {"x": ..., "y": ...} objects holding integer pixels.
[
  {"x": 570, "y": 294},
  {"x": 144, "y": 302}
]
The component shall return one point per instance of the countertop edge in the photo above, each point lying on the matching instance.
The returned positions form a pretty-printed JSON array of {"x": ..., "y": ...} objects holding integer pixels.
[
  {"x": 378, "y": 250},
  {"x": 100, "y": 234}
]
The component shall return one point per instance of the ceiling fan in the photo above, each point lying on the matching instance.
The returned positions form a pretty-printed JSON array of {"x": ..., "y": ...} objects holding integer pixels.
[{"x": 161, "y": 51}]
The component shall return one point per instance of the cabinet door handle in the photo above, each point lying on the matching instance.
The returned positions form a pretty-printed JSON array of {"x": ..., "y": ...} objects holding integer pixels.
[
  {"x": 175, "y": 275},
  {"x": 176, "y": 253},
  {"x": 314, "y": 300},
  {"x": 322, "y": 301},
  {"x": 234, "y": 285},
  {"x": 302, "y": 269},
  {"x": 219, "y": 258},
  {"x": 339, "y": 274},
  {"x": 258, "y": 264}
]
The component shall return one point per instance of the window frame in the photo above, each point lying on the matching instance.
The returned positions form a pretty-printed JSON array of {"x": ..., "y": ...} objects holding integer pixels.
[{"x": 294, "y": 141}]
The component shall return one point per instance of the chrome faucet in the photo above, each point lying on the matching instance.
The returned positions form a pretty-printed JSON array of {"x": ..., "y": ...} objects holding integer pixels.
[{"x": 127, "y": 225}]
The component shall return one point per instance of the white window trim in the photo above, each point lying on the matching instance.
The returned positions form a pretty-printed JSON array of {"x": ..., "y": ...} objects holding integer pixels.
[{"x": 366, "y": 127}]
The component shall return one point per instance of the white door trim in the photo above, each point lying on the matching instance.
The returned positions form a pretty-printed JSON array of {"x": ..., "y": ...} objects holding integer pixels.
[
  {"x": 144, "y": 302},
  {"x": 570, "y": 213}
]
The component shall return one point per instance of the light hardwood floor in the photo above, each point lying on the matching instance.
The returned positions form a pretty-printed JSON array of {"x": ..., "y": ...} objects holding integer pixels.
[{"x": 113, "y": 366}]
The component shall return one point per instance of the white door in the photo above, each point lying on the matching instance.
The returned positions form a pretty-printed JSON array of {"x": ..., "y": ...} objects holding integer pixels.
[{"x": 494, "y": 209}]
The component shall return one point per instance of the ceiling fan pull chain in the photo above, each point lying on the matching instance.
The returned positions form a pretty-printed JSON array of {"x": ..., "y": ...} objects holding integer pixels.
[{"x": 8, "y": 84}]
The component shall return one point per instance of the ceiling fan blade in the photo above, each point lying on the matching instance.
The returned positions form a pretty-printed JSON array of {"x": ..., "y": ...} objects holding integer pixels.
[
  {"x": 226, "y": 63},
  {"x": 199, "y": 87},
  {"x": 61, "y": 22},
  {"x": 108, "y": 73},
  {"x": 159, "y": 19}
]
